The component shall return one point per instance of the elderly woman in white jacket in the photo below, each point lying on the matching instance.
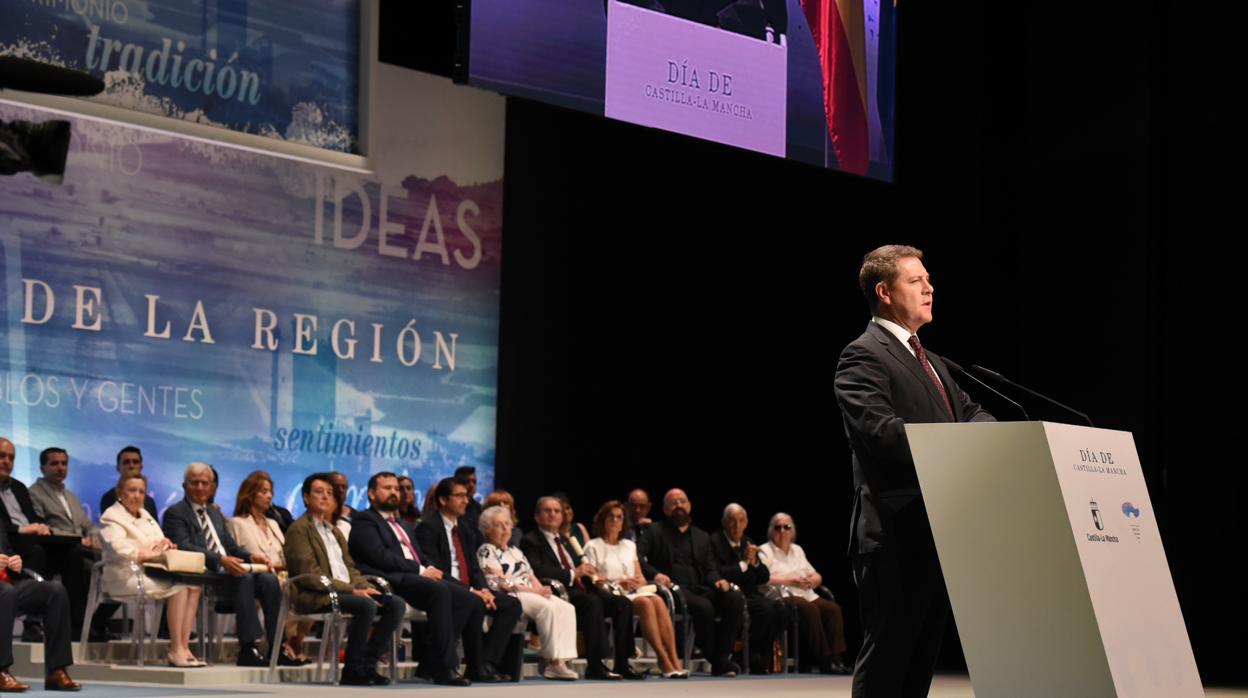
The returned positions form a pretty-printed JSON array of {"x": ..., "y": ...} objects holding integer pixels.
[
  {"x": 507, "y": 570},
  {"x": 131, "y": 535}
]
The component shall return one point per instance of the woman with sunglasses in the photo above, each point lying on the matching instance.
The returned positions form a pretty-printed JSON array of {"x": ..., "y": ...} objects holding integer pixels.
[{"x": 793, "y": 581}]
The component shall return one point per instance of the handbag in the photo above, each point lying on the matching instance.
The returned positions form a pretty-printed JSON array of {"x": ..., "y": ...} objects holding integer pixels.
[{"x": 183, "y": 561}]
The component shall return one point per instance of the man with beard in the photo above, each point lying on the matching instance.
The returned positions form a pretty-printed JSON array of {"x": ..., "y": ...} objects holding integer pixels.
[
  {"x": 674, "y": 551},
  {"x": 384, "y": 545}
]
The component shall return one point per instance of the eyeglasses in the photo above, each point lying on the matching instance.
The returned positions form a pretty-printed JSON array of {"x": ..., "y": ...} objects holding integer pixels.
[{"x": 782, "y": 527}]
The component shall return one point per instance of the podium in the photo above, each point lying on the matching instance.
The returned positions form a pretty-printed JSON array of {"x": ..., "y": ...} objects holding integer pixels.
[{"x": 1054, "y": 564}]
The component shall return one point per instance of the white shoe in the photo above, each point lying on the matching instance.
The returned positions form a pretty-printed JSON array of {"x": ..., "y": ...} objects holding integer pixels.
[{"x": 560, "y": 672}]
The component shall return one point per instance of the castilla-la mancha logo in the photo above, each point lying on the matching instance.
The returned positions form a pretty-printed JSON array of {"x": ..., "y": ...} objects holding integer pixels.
[{"x": 1096, "y": 516}]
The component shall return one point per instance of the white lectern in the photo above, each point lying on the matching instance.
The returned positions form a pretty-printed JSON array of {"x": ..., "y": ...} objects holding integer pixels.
[{"x": 1055, "y": 569}]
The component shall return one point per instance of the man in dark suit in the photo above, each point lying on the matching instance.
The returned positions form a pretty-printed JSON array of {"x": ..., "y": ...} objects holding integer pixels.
[
  {"x": 736, "y": 557},
  {"x": 384, "y": 545},
  {"x": 884, "y": 380},
  {"x": 674, "y": 551},
  {"x": 452, "y": 548},
  {"x": 553, "y": 561},
  {"x": 129, "y": 462},
  {"x": 196, "y": 525},
  {"x": 47, "y": 600}
]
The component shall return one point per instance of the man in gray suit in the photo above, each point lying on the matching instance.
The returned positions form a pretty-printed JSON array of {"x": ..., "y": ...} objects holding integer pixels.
[
  {"x": 63, "y": 512},
  {"x": 886, "y": 379}
]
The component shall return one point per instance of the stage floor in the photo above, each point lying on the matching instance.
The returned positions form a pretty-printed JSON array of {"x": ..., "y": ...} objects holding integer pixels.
[{"x": 697, "y": 687}]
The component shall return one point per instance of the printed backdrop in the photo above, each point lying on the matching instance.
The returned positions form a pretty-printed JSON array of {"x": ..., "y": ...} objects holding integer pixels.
[
  {"x": 211, "y": 304},
  {"x": 281, "y": 68}
]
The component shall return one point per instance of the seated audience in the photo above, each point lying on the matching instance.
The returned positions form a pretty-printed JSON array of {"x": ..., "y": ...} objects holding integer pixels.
[
  {"x": 793, "y": 581},
  {"x": 256, "y": 533},
  {"x": 384, "y": 545},
  {"x": 552, "y": 560},
  {"x": 737, "y": 558},
  {"x": 674, "y": 551},
  {"x": 314, "y": 546},
  {"x": 197, "y": 525},
  {"x": 63, "y": 513},
  {"x": 451, "y": 548},
  {"x": 131, "y": 535},
  {"x": 507, "y": 572},
  {"x": 616, "y": 560}
]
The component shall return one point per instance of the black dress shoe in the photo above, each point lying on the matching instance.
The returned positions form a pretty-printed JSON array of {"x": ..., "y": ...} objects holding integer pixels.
[
  {"x": 727, "y": 668},
  {"x": 487, "y": 677},
  {"x": 599, "y": 672},
  {"x": 284, "y": 658},
  {"x": 355, "y": 678},
  {"x": 249, "y": 655},
  {"x": 378, "y": 679},
  {"x": 628, "y": 673},
  {"x": 450, "y": 678}
]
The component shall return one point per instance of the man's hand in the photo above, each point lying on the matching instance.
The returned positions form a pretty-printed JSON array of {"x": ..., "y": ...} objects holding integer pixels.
[
  {"x": 751, "y": 554},
  {"x": 365, "y": 592},
  {"x": 487, "y": 597},
  {"x": 663, "y": 580},
  {"x": 431, "y": 573},
  {"x": 233, "y": 565},
  {"x": 722, "y": 584},
  {"x": 90, "y": 542},
  {"x": 14, "y": 562},
  {"x": 35, "y": 529},
  {"x": 585, "y": 570}
]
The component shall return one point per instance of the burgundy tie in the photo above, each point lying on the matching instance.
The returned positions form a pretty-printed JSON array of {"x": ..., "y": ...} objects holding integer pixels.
[
  {"x": 927, "y": 366},
  {"x": 404, "y": 539},
  {"x": 459, "y": 553}
]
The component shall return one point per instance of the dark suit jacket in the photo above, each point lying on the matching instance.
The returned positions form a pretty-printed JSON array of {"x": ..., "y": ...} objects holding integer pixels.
[
  {"x": 23, "y": 500},
  {"x": 727, "y": 561},
  {"x": 880, "y": 387},
  {"x": 181, "y": 525},
  {"x": 375, "y": 549},
  {"x": 281, "y": 515},
  {"x": 656, "y": 553},
  {"x": 306, "y": 554},
  {"x": 546, "y": 565},
  {"x": 431, "y": 536}
]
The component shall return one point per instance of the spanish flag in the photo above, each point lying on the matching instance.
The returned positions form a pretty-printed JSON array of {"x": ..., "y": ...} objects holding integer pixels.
[{"x": 839, "y": 28}]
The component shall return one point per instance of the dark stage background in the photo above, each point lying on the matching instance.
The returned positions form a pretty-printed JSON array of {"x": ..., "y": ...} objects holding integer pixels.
[{"x": 672, "y": 309}]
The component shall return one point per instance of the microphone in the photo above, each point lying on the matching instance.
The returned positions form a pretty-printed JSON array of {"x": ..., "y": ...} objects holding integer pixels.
[
  {"x": 34, "y": 76},
  {"x": 962, "y": 372},
  {"x": 997, "y": 376}
]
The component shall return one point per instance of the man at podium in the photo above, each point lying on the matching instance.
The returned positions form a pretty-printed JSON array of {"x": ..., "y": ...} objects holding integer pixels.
[{"x": 885, "y": 379}]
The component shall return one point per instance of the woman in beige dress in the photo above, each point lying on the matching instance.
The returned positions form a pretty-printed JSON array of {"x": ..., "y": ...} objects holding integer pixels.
[
  {"x": 257, "y": 533},
  {"x": 130, "y": 534}
]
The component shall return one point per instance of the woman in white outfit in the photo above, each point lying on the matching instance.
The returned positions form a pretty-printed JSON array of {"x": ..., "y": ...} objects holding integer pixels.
[
  {"x": 507, "y": 570},
  {"x": 130, "y": 534},
  {"x": 615, "y": 558}
]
